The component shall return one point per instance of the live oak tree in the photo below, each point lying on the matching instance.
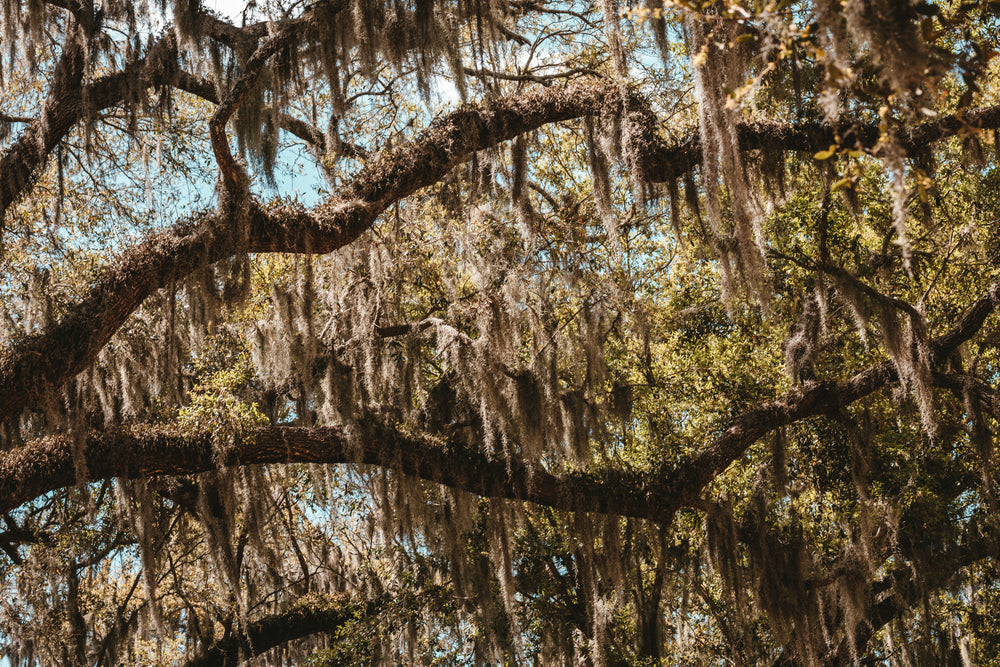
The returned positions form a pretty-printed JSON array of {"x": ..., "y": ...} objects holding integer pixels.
[{"x": 363, "y": 332}]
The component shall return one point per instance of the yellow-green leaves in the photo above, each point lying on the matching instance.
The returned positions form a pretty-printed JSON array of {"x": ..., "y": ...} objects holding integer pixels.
[
  {"x": 827, "y": 154},
  {"x": 217, "y": 407},
  {"x": 836, "y": 150}
]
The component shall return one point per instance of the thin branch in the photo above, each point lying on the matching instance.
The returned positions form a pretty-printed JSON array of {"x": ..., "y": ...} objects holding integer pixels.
[
  {"x": 7, "y": 118},
  {"x": 815, "y": 399},
  {"x": 846, "y": 276},
  {"x": 404, "y": 329},
  {"x": 543, "y": 79},
  {"x": 310, "y": 134}
]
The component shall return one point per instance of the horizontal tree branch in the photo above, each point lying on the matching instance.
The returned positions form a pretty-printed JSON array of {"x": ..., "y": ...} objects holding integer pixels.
[
  {"x": 7, "y": 118},
  {"x": 65, "y": 107},
  {"x": 542, "y": 79},
  {"x": 47, "y": 464},
  {"x": 311, "y": 615},
  {"x": 142, "y": 452},
  {"x": 671, "y": 162}
]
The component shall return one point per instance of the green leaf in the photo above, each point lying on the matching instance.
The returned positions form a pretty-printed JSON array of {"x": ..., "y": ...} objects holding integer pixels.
[{"x": 827, "y": 154}]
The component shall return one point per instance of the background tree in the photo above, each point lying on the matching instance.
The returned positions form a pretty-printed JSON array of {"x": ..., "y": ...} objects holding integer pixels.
[{"x": 497, "y": 332}]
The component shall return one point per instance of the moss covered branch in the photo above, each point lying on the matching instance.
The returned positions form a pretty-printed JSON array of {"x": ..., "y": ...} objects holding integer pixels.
[
  {"x": 311, "y": 615},
  {"x": 34, "y": 367},
  {"x": 47, "y": 464}
]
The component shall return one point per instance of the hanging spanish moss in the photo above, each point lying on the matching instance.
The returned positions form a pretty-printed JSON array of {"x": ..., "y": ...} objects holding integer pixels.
[
  {"x": 906, "y": 342},
  {"x": 741, "y": 245}
]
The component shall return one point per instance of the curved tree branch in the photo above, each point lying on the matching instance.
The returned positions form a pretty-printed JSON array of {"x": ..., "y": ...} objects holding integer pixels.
[
  {"x": 63, "y": 108},
  {"x": 308, "y": 133},
  {"x": 41, "y": 363},
  {"x": 47, "y": 464}
]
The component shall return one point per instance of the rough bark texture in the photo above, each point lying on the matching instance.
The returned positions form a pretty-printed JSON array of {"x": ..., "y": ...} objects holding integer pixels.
[
  {"x": 312, "y": 615},
  {"x": 47, "y": 464}
]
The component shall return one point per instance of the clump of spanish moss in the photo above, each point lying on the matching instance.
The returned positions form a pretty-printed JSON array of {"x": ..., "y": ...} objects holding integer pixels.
[
  {"x": 519, "y": 188},
  {"x": 904, "y": 332},
  {"x": 890, "y": 31},
  {"x": 833, "y": 36},
  {"x": 894, "y": 159},
  {"x": 599, "y": 167},
  {"x": 741, "y": 245},
  {"x": 802, "y": 343}
]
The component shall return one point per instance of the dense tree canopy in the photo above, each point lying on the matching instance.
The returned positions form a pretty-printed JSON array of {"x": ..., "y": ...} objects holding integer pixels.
[{"x": 499, "y": 332}]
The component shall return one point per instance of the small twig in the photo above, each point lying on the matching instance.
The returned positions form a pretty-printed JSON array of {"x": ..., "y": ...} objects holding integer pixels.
[
  {"x": 848, "y": 277},
  {"x": 543, "y": 79}
]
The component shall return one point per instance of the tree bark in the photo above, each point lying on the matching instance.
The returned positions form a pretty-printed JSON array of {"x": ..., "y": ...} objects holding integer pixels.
[{"x": 314, "y": 614}]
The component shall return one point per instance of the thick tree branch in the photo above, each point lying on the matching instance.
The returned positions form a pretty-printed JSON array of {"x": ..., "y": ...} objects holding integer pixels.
[
  {"x": 967, "y": 326},
  {"x": 74, "y": 7},
  {"x": 670, "y": 162},
  {"x": 44, "y": 362},
  {"x": 66, "y": 107},
  {"x": 41, "y": 363},
  {"x": 22, "y": 161},
  {"x": 961, "y": 383},
  {"x": 314, "y": 614},
  {"x": 70, "y": 101},
  {"x": 47, "y": 464},
  {"x": 7, "y": 118}
]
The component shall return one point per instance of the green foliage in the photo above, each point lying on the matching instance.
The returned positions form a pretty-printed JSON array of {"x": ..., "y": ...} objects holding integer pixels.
[{"x": 216, "y": 405}]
